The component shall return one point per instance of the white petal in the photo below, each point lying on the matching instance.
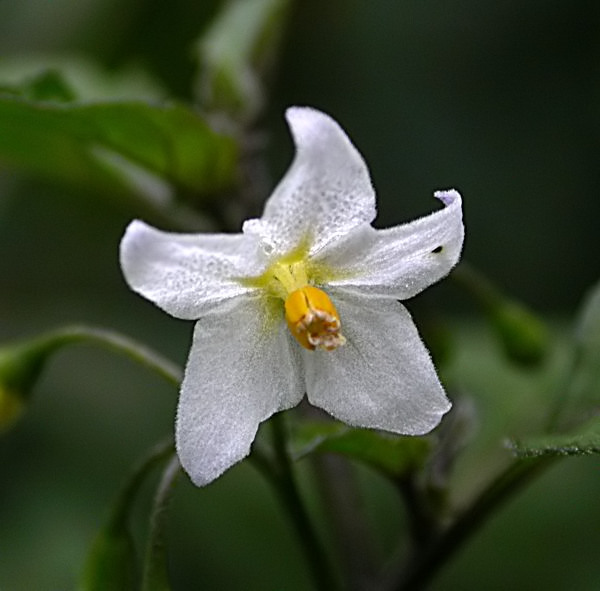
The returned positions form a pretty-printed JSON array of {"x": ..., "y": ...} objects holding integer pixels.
[
  {"x": 383, "y": 376},
  {"x": 325, "y": 193},
  {"x": 401, "y": 261},
  {"x": 242, "y": 368},
  {"x": 187, "y": 274}
]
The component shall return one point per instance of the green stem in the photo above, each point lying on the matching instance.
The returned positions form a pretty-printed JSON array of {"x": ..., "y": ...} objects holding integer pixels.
[
  {"x": 422, "y": 524},
  {"x": 336, "y": 481},
  {"x": 284, "y": 481},
  {"x": 117, "y": 343},
  {"x": 111, "y": 561},
  {"x": 124, "y": 503},
  {"x": 156, "y": 576},
  {"x": 475, "y": 283},
  {"x": 519, "y": 473}
]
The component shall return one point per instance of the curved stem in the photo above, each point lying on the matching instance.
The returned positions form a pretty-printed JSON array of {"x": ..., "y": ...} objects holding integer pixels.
[
  {"x": 338, "y": 487},
  {"x": 118, "y": 343},
  {"x": 159, "y": 453},
  {"x": 111, "y": 560},
  {"x": 284, "y": 481},
  {"x": 156, "y": 576},
  {"x": 519, "y": 473}
]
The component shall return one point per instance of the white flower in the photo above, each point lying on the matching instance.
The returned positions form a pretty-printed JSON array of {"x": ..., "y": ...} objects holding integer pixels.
[{"x": 303, "y": 300}]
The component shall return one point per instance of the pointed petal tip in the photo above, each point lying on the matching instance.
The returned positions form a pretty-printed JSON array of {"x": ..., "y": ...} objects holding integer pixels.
[
  {"x": 427, "y": 422},
  {"x": 298, "y": 111},
  {"x": 132, "y": 231},
  {"x": 307, "y": 120},
  {"x": 448, "y": 196},
  {"x": 203, "y": 474}
]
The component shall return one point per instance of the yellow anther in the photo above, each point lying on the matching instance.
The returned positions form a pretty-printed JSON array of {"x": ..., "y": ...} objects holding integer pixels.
[{"x": 313, "y": 319}]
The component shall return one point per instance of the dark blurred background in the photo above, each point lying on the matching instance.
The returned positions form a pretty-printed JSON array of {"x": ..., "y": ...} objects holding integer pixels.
[{"x": 496, "y": 98}]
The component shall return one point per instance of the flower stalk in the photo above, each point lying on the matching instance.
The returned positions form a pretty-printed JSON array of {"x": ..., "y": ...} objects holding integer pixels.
[
  {"x": 430, "y": 560},
  {"x": 278, "y": 470}
]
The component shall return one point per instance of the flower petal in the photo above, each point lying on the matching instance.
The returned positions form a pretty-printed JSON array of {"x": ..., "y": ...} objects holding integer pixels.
[
  {"x": 325, "y": 193},
  {"x": 383, "y": 377},
  {"x": 241, "y": 369},
  {"x": 187, "y": 274},
  {"x": 400, "y": 262}
]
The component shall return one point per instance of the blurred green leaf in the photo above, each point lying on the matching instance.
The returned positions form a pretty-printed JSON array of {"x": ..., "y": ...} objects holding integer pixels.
[
  {"x": 585, "y": 382},
  {"x": 584, "y": 441},
  {"x": 112, "y": 561},
  {"x": 522, "y": 334},
  {"x": 84, "y": 78},
  {"x": 47, "y": 85},
  {"x": 93, "y": 142},
  {"x": 580, "y": 397},
  {"x": 393, "y": 454},
  {"x": 236, "y": 53},
  {"x": 524, "y": 337},
  {"x": 156, "y": 576}
]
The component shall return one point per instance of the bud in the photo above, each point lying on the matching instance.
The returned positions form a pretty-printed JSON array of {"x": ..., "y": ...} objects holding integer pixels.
[
  {"x": 523, "y": 335},
  {"x": 20, "y": 367}
]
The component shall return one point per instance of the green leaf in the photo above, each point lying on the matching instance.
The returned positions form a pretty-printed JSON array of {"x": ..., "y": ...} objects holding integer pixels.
[
  {"x": 80, "y": 78},
  {"x": 522, "y": 335},
  {"x": 584, "y": 441},
  {"x": 580, "y": 393},
  {"x": 392, "y": 454},
  {"x": 47, "y": 85},
  {"x": 585, "y": 382},
  {"x": 87, "y": 143},
  {"x": 236, "y": 53},
  {"x": 111, "y": 562},
  {"x": 156, "y": 576}
]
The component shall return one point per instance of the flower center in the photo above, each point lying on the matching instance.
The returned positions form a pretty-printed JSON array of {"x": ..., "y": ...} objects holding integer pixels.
[
  {"x": 310, "y": 314},
  {"x": 313, "y": 319}
]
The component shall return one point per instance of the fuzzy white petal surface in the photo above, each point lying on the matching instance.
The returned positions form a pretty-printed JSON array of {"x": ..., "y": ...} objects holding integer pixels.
[
  {"x": 187, "y": 274},
  {"x": 400, "y": 262},
  {"x": 242, "y": 368},
  {"x": 325, "y": 193},
  {"x": 383, "y": 377}
]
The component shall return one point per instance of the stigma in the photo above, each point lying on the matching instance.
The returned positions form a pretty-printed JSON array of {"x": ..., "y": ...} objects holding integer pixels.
[{"x": 312, "y": 319}]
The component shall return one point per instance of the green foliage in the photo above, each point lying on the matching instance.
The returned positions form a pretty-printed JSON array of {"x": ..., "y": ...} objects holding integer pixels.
[
  {"x": 578, "y": 434},
  {"x": 524, "y": 337},
  {"x": 235, "y": 55},
  {"x": 112, "y": 561},
  {"x": 20, "y": 367},
  {"x": 156, "y": 576},
  {"x": 393, "y": 455},
  {"x": 583, "y": 441},
  {"x": 583, "y": 389},
  {"x": 96, "y": 144},
  {"x": 72, "y": 77},
  {"x": 47, "y": 85}
]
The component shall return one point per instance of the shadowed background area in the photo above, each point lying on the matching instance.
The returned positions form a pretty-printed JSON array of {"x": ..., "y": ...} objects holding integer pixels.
[{"x": 498, "y": 99}]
